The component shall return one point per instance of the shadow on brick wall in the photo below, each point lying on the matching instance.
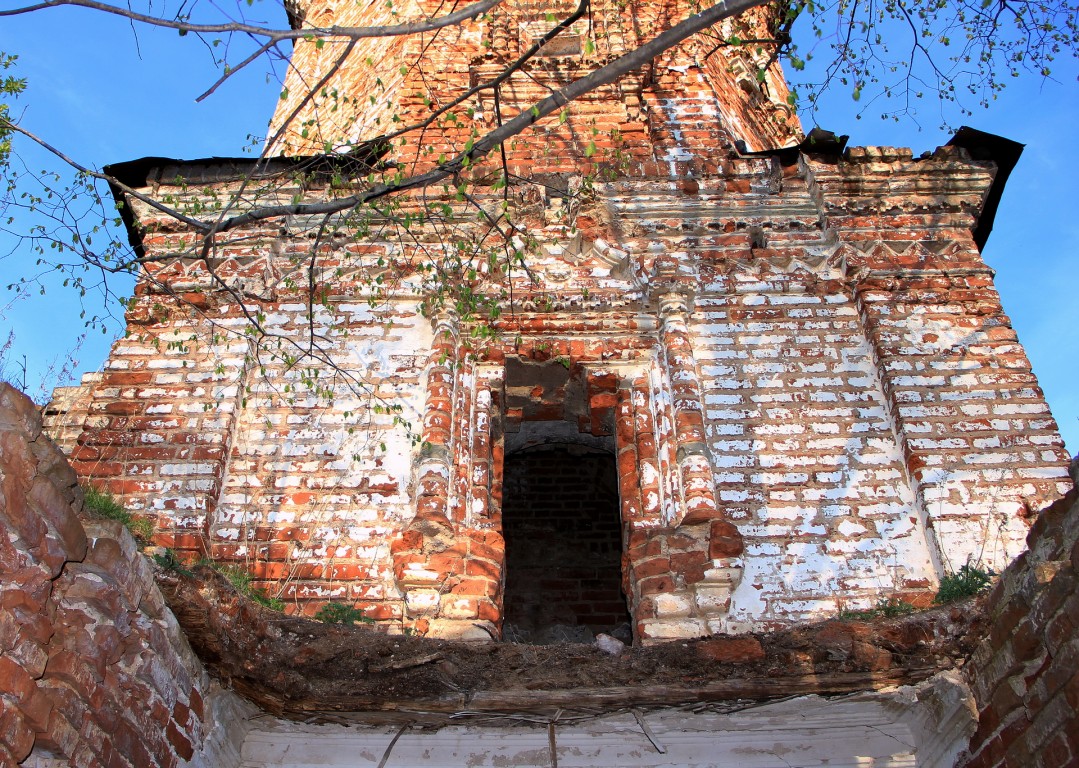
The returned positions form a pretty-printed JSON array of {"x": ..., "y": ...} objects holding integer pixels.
[{"x": 1025, "y": 674}]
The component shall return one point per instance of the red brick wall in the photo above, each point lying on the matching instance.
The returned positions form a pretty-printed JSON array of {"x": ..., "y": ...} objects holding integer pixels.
[
  {"x": 857, "y": 406},
  {"x": 980, "y": 448},
  {"x": 1025, "y": 675},
  {"x": 93, "y": 669},
  {"x": 690, "y": 97},
  {"x": 805, "y": 356},
  {"x": 807, "y": 463}
]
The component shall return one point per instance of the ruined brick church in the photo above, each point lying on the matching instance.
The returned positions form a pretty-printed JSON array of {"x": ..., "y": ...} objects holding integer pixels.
[{"x": 659, "y": 366}]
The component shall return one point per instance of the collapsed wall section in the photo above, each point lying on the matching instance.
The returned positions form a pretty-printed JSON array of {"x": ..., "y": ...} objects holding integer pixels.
[
  {"x": 1025, "y": 673},
  {"x": 95, "y": 668}
]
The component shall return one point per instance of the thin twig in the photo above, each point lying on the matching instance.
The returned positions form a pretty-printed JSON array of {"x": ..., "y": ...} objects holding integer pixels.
[
  {"x": 648, "y": 732},
  {"x": 230, "y": 71},
  {"x": 7, "y": 125},
  {"x": 407, "y": 663},
  {"x": 275, "y": 35},
  {"x": 393, "y": 741}
]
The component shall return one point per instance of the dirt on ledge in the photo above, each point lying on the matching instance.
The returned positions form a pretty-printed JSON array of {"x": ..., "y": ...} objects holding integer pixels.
[{"x": 303, "y": 669}]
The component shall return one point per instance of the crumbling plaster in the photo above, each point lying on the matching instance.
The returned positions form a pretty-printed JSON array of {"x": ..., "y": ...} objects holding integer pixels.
[{"x": 796, "y": 352}]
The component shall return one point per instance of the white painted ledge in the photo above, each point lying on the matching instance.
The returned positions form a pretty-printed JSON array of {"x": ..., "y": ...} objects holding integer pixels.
[{"x": 913, "y": 726}]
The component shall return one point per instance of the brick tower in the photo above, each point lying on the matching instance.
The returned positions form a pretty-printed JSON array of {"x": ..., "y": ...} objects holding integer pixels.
[{"x": 655, "y": 359}]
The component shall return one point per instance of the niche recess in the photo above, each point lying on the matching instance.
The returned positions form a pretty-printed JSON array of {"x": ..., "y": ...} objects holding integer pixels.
[{"x": 561, "y": 516}]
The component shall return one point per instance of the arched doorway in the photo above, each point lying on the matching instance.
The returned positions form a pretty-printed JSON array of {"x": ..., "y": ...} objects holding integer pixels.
[{"x": 562, "y": 525}]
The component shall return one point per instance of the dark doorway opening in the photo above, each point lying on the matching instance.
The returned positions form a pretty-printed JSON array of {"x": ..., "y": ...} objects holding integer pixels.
[{"x": 562, "y": 525}]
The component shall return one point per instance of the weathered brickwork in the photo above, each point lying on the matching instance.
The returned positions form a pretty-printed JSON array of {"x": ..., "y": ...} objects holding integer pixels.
[
  {"x": 798, "y": 360},
  {"x": 971, "y": 420},
  {"x": 807, "y": 461},
  {"x": 317, "y": 475},
  {"x": 95, "y": 671},
  {"x": 65, "y": 416},
  {"x": 686, "y": 99},
  {"x": 1025, "y": 674}
]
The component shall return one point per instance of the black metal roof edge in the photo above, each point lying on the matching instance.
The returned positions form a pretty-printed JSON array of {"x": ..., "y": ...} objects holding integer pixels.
[
  {"x": 817, "y": 142},
  {"x": 996, "y": 149},
  {"x": 981, "y": 146},
  {"x": 296, "y": 13},
  {"x": 134, "y": 237},
  {"x": 136, "y": 174}
]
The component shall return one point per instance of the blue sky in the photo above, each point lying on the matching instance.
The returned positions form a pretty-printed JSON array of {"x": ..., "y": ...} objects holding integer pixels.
[{"x": 104, "y": 95}]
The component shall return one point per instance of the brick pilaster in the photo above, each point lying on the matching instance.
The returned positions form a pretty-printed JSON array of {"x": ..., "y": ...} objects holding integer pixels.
[
  {"x": 981, "y": 448},
  {"x": 434, "y": 470}
]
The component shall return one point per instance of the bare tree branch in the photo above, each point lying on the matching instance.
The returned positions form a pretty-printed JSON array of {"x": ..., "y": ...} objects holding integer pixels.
[
  {"x": 603, "y": 76},
  {"x": 273, "y": 34},
  {"x": 7, "y": 125}
]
